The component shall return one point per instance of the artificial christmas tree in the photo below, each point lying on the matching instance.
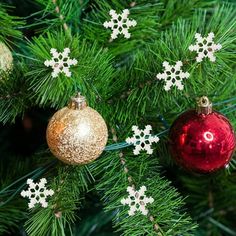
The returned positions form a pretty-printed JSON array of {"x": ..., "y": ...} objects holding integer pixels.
[{"x": 140, "y": 64}]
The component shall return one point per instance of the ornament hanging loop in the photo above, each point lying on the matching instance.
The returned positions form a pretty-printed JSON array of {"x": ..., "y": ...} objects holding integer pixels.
[
  {"x": 204, "y": 106},
  {"x": 78, "y": 102}
]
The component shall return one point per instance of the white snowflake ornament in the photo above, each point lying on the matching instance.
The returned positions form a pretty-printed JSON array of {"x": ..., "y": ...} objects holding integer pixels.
[
  {"x": 173, "y": 75},
  {"x": 60, "y": 62},
  {"x": 137, "y": 200},
  {"x": 142, "y": 139},
  {"x": 205, "y": 47},
  {"x": 120, "y": 23},
  {"x": 37, "y": 193}
]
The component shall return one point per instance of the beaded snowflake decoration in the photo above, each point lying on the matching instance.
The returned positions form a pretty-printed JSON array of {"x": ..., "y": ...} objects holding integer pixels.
[
  {"x": 37, "y": 193},
  {"x": 173, "y": 75},
  {"x": 142, "y": 139},
  {"x": 60, "y": 62},
  {"x": 205, "y": 47},
  {"x": 120, "y": 23},
  {"x": 137, "y": 200}
]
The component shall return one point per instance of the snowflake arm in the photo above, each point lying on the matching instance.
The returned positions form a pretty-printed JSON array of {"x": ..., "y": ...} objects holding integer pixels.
[
  {"x": 205, "y": 47},
  {"x": 173, "y": 75},
  {"x": 119, "y": 23},
  {"x": 60, "y": 62},
  {"x": 37, "y": 193},
  {"x": 137, "y": 200},
  {"x": 142, "y": 139}
]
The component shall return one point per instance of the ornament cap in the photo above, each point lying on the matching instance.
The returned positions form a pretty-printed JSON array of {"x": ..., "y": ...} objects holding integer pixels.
[
  {"x": 78, "y": 102},
  {"x": 204, "y": 105}
]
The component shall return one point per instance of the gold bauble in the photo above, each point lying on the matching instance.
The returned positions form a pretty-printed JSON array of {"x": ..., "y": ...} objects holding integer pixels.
[
  {"x": 6, "y": 59},
  {"x": 77, "y": 134}
]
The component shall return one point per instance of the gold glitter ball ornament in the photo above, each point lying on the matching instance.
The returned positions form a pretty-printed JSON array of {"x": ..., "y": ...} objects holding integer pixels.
[
  {"x": 6, "y": 59},
  {"x": 77, "y": 134}
]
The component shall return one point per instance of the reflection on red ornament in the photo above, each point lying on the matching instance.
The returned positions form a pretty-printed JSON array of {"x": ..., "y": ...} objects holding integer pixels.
[
  {"x": 202, "y": 141},
  {"x": 208, "y": 136}
]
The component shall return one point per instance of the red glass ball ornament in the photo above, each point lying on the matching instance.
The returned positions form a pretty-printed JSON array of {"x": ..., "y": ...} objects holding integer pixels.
[{"x": 202, "y": 141}]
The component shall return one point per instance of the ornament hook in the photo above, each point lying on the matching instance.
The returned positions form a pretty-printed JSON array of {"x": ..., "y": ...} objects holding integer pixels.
[
  {"x": 78, "y": 102},
  {"x": 204, "y": 106}
]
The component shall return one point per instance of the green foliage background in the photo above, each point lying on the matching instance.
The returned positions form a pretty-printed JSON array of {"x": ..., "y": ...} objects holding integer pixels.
[{"x": 118, "y": 79}]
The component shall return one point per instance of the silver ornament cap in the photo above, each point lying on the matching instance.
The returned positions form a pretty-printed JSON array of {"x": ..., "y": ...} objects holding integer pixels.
[
  {"x": 204, "y": 105},
  {"x": 78, "y": 102}
]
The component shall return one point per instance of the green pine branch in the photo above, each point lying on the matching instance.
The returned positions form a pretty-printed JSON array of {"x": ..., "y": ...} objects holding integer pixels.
[
  {"x": 69, "y": 186},
  {"x": 94, "y": 66},
  {"x": 12, "y": 216},
  {"x": 10, "y": 25},
  {"x": 215, "y": 80},
  {"x": 211, "y": 201},
  {"x": 58, "y": 14},
  {"x": 152, "y": 18},
  {"x": 167, "y": 208},
  {"x": 126, "y": 95},
  {"x": 13, "y": 96}
]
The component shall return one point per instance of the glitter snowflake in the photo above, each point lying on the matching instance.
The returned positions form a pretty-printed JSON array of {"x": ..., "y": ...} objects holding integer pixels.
[
  {"x": 120, "y": 23},
  {"x": 142, "y": 139},
  {"x": 60, "y": 62},
  {"x": 173, "y": 75},
  {"x": 137, "y": 200},
  {"x": 205, "y": 47},
  {"x": 37, "y": 193}
]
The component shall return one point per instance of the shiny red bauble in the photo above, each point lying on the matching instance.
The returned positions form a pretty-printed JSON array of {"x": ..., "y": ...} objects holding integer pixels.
[{"x": 202, "y": 143}]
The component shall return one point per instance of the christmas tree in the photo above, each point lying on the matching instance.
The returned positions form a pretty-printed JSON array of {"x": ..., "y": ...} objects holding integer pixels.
[{"x": 100, "y": 134}]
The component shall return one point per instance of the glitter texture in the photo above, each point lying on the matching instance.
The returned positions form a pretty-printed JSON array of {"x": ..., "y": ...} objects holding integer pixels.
[
  {"x": 77, "y": 136},
  {"x": 6, "y": 58}
]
